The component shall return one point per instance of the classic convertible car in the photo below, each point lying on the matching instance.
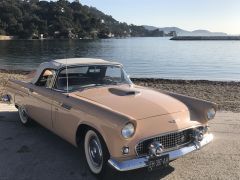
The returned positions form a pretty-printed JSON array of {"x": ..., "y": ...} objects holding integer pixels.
[{"x": 93, "y": 104}]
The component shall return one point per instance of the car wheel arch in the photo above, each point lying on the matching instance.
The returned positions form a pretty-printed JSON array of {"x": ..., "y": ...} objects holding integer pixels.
[{"x": 82, "y": 130}]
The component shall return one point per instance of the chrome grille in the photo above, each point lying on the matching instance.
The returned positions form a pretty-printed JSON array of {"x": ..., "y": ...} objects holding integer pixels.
[{"x": 169, "y": 141}]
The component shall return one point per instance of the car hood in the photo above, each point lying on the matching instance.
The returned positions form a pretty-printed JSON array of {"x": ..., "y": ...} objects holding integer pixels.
[{"x": 133, "y": 101}]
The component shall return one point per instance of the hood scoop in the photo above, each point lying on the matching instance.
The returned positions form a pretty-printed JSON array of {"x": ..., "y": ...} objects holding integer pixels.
[{"x": 123, "y": 92}]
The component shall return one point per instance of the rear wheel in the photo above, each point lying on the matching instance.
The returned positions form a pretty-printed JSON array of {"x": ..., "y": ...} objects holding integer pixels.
[
  {"x": 95, "y": 152},
  {"x": 24, "y": 118}
]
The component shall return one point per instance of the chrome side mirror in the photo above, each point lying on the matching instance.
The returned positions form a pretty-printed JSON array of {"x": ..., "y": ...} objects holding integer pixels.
[{"x": 6, "y": 98}]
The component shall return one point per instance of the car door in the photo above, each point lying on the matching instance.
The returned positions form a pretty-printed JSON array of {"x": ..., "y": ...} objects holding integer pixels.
[
  {"x": 41, "y": 97},
  {"x": 65, "y": 119},
  {"x": 64, "y": 115}
]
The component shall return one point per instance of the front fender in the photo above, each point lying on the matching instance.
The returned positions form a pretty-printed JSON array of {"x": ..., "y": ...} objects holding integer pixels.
[
  {"x": 198, "y": 108},
  {"x": 109, "y": 129}
]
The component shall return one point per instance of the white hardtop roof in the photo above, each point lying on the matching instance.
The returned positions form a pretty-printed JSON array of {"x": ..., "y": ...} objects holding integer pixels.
[
  {"x": 59, "y": 63},
  {"x": 80, "y": 61}
]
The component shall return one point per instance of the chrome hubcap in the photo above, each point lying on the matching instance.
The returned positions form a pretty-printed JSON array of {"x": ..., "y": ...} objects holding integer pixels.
[
  {"x": 95, "y": 152},
  {"x": 23, "y": 115}
]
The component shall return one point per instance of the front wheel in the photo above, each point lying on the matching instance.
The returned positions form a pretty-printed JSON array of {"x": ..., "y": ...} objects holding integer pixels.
[
  {"x": 95, "y": 152},
  {"x": 24, "y": 118}
]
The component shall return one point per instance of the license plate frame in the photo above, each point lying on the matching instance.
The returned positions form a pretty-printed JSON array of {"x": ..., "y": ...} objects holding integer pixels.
[{"x": 158, "y": 162}]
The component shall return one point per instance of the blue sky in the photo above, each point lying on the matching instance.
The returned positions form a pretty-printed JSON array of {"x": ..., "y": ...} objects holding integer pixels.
[{"x": 214, "y": 15}]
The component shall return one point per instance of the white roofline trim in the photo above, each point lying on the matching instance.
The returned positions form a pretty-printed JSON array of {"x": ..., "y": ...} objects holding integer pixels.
[{"x": 60, "y": 63}]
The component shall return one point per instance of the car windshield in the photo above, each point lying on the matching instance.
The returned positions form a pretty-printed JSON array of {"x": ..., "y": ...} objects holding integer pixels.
[{"x": 90, "y": 76}]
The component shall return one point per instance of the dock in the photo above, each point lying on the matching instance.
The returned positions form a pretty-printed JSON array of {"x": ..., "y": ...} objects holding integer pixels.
[{"x": 205, "y": 38}]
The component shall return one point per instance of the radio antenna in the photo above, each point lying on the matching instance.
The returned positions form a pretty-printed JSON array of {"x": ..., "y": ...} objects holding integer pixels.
[{"x": 67, "y": 75}]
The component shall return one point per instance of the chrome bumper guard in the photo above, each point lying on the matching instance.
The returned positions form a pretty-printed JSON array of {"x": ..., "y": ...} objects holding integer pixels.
[{"x": 141, "y": 162}]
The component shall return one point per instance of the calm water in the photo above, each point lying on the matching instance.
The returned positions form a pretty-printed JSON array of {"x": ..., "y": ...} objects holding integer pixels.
[{"x": 142, "y": 57}]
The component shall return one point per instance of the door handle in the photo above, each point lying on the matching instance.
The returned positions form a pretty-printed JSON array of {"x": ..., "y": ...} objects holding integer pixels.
[{"x": 65, "y": 106}]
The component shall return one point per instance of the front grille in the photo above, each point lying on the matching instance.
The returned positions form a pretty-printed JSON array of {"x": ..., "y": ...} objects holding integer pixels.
[{"x": 169, "y": 141}]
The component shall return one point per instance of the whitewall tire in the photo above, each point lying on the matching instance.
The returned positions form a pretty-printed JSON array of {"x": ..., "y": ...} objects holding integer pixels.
[
  {"x": 95, "y": 152},
  {"x": 24, "y": 118}
]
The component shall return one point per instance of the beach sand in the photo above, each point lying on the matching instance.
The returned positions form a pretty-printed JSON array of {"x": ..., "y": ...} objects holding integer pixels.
[{"x": 225, "y": 94}]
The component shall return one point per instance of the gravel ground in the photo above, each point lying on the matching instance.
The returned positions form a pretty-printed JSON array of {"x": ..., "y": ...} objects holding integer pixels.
[
  {"x": 6, "y": 75},
  {"x": 35, "y": 153},
  {"x": 225, "y": 94}
]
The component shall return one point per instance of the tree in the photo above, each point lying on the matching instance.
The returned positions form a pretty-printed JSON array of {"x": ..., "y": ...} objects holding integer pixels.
[{"x": 30, "y": 18}]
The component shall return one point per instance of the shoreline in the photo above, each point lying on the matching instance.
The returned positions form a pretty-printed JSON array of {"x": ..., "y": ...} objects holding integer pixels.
[
  {"x": 224, "y": 93},
  {"x": 83, "y": 39},
  {"x": 152, "y": 79}
]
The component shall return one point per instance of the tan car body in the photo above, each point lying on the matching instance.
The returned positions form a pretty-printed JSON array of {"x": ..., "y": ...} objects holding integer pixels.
[{"x": 151, "y": 112}]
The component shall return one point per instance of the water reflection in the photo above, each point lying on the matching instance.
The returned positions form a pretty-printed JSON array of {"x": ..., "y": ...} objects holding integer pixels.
[{"x": 142, "y": 57}]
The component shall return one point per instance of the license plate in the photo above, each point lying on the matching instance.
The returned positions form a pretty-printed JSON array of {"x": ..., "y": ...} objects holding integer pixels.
[{"x": 158, "y": 162}]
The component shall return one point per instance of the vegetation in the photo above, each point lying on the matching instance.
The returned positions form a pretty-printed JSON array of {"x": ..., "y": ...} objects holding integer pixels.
[{"x": 61, "y": 19}]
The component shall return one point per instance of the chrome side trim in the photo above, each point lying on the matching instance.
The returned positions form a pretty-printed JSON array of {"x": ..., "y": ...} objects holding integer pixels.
[{"x": 141, "y": 162}]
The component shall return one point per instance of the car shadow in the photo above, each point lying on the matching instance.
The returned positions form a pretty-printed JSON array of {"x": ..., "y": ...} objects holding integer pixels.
[
  {"x": 139, "y": 174},
  {"x": 36, "y": 153}
]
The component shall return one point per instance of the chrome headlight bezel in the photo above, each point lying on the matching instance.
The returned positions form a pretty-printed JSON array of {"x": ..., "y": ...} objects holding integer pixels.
[
  {"x": 211, "y": 113},
  {"x": 128, "y": 130}
]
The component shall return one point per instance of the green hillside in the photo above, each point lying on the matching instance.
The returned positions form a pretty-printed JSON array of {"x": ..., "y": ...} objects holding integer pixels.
[{"x": 61, "y": 19}]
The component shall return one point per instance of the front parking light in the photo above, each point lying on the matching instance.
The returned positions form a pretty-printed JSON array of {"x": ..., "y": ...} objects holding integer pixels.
[{"x": 211, "y": 113}]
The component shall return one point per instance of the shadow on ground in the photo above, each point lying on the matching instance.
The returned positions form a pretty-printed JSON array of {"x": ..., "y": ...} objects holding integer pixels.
[{"x": 36, "y": 153}]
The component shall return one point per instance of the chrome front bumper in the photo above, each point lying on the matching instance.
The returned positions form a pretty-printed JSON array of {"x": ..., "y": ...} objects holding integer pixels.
[{"x": 141, "y": 162}]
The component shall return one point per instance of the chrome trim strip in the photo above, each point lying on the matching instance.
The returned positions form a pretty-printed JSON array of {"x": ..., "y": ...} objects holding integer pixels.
[{"x": 141, "y": 162}]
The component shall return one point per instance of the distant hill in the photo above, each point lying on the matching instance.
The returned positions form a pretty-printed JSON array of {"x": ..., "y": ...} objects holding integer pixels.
[
  {"x": 150, "y": 28},
  {"x": 182, "y": 32},
  {"x": 207, "y": 33},
  {"x": 34, "y": 19}
]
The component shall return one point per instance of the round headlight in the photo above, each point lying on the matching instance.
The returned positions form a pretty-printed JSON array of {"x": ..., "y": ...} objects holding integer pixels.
[
  {"x": 128, "y": 130},
  {"x": 211, "y": 113}
]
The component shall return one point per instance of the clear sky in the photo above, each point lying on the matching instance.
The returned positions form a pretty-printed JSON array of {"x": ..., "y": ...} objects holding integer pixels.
[{"x": 213, "y": 15}]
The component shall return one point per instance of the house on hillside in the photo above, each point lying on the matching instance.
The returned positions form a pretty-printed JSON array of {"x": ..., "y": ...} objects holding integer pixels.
[{"x": 172, "y": 33}]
